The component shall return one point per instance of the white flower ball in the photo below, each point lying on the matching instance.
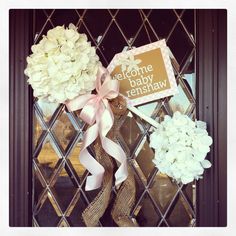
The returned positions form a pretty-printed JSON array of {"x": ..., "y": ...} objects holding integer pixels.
[
  {"x": 181, "y": 146},
  {"x": 62, "y": 66}
]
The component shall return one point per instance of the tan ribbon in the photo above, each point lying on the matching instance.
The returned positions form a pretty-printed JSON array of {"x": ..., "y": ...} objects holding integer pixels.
[
  {"x": 124, "y": 202},
  {"x": 125, "y": 198},
  {"x": 97, "y": 207}
]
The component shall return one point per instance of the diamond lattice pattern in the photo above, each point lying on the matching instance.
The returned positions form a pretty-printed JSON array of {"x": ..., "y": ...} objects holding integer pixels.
[{"x": 59, "y": 195}]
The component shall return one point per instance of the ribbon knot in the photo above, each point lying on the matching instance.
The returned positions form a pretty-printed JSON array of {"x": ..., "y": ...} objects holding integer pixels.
[{"x": 97, "y": 113}]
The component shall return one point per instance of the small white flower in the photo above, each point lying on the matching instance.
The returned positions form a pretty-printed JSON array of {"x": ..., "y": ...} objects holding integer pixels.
[
  {"x": 128, "y": 63},
  {"x": 200, "y": 124},
  {"x": 181, "y": 146},
  {"x": 62, "y": 65},
  {"x": 206, "y": 164},
  {"x": 187, "y": 179}
]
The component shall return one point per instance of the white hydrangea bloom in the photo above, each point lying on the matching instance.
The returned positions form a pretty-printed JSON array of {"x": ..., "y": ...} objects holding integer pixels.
[
  {"x": 62, "y": 66},
  {"x": 181, "y": 146}
]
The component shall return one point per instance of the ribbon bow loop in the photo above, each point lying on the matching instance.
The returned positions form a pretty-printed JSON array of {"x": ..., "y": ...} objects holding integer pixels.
[
  {"x": 89, "y": 111},
  {"x": 107, "y": 89},
  {"x": 97, "y": 113}
]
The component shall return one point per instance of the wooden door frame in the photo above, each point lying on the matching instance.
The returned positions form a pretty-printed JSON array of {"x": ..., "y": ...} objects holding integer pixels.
[
  {"x": 20, "y": 123},
  {"x": 211, "y": 106}
]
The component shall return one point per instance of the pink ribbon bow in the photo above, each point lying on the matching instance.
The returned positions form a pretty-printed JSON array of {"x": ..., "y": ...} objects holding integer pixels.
[{"x": 96, "y": 112}]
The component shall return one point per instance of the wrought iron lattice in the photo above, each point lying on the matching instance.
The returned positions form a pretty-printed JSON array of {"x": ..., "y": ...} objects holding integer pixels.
[{"x": 59, "y": 197}]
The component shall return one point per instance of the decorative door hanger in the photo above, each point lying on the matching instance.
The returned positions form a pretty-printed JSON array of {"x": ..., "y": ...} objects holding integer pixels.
[{"x": 145, "y": 73}]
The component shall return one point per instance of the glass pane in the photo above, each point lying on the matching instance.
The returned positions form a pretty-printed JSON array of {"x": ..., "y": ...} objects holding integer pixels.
[
  {"x": 162, "y": 21},
  {"x": 64, "y": 17},
  {"x": 47, "y": 160},
  {"x": 179, "y": 102},
  {"x": 64, "y": 131},
  {"x": 180, "y": 37},
  {"x": 188, "y": 20},
  {"x": 131, "y": 131},
  {"x": 37, "y": 131},
  {"x": 113, "y": 42},
  {"x": 103, "y": 16},
  {"x": 127, "y": 26},
  {"x": 46, "y": 110},
  {"x": 144, "y": 159},
  {"x": 65, "y": 188},
  {"x": 180, "y": 215},
  {"x": 146, "y": 35},
  {"x": 74, "y": 163},
  {"x": 163, "y": 190},
  {"x": 48, "y": 214},
  {"x": 146, "y": 214},
  {"x": 74, "y": 215},
  {"x": 148, "y": 109}
]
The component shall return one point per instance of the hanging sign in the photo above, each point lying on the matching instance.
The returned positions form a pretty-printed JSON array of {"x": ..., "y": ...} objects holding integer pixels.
[{"x": 145, "y": 73}]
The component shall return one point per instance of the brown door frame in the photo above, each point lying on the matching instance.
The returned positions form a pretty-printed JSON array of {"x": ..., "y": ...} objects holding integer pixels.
[
  {"x": 20, "y": 123},
  {"x": 212, "y": 108},
  {"x": 211, "y": 101}
]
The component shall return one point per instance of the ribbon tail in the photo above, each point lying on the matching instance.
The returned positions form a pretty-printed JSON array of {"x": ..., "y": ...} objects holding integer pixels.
[
  {"x": 93, "y": 181},
  {"x": 112, "y": 148}
]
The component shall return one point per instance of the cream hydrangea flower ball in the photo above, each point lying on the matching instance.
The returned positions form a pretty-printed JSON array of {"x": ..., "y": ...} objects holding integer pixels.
[
  {"x": 62, "y": 66},
  {"x": 181, "y": 146}
]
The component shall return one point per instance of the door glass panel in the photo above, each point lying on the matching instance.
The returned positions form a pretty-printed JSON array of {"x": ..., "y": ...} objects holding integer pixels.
[
  {"x": 47, "y": 160},
  {"x": 146, "y": 213},
  {"x": 163, "y": 191},
  {"x": 59, "y": 197}
]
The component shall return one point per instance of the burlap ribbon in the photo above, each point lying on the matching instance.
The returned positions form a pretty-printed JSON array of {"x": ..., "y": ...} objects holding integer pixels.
[
  {"x": 97, "y": 207},
  {"x": 124, "y": 202},
  {"x": 125, "y": 198}
]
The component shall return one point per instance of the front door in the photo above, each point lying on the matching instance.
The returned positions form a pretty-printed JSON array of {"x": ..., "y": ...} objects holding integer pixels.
[{"x": 57, "y": 190}]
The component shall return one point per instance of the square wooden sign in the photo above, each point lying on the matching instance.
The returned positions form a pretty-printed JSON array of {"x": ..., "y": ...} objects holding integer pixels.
[{"x": 145, "y": 73}]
